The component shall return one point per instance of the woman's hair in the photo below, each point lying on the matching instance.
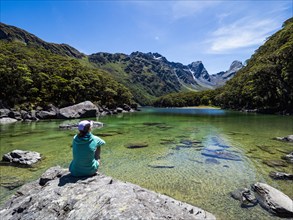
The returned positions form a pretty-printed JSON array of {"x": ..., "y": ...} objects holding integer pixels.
[{"x": 84, "y": 131}]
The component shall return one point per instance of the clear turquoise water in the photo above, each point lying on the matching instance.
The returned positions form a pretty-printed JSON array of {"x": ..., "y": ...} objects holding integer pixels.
[{"x": 195, "y": 178}]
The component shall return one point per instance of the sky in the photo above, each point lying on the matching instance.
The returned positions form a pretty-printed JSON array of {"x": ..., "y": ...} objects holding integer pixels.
[{"x": 211, "y": 31}]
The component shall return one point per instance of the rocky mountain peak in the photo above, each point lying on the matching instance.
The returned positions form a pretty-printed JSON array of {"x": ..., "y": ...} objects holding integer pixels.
[
  {"x": 198, "y": 70},
  {"x": 236, "y": 65}
]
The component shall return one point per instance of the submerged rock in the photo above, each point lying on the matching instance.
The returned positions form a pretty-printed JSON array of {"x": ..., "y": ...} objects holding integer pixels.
[
  {"x": 245, "y": 196},
  {"x": 288, "y": 157},
  {"x": 136, "y": 145},
  {"x": 288, "y": 138},
  {"x": 212, "y": 161},
  {"x": 22, "y": 157},
  {"x": 275, "y": 163},
  {"x": 161, "y": 164},
  {"x": 221, "y": 154},
  {"x": 281, "y": 176},
  {"x": 10, "y": 183},
  {"x": 96, "y": 197},
  {"x": 273, "y": 200}
]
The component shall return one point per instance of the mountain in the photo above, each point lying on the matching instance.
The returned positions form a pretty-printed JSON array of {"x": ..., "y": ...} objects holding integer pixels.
[
  {"x": 146, "y": 75},
  {"x": 150, "y": 75},
  {"x": 265, "y": 84},
  {"x": 11, "y": 33},
  {"x": 219, "y": 79}
]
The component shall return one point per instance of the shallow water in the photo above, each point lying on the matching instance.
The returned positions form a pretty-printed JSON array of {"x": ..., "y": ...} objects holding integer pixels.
[{"x": 194, "y": 155}]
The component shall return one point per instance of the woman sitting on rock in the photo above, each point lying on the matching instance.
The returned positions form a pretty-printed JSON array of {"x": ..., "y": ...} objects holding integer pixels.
[{"x": 86, "y": 149}]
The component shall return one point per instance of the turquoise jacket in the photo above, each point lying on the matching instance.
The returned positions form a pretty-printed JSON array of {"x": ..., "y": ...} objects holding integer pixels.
[{"x": 83, "y": 149}]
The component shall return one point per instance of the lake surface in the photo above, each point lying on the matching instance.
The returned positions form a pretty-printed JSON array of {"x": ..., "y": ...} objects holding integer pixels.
[{"x": 181, "y": 159}]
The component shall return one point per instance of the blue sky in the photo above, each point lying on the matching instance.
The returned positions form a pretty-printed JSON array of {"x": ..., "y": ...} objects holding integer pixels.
[{"x": 214, "y": 32}]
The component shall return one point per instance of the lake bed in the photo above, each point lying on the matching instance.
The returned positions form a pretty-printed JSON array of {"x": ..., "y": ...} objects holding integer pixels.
[{"x": 181, "y": 159}]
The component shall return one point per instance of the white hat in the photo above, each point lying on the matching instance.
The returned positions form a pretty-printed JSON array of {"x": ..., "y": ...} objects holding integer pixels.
[{"x": 83, "y": 124}]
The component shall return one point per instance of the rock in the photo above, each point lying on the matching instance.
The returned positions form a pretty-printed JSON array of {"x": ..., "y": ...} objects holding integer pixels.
[
  {"x": 212, "y": 161},
  {"x": 96, "y": 124},
  {"x": 161, "y": 164},
  {"x": 273, "y": 200},
  {"x": 281, "y": 176},
  {"x": 119, "y": 110},
  {"x": 82, "y": 110},
  {"x": 7, "y": 120},
  {"x": 126, "y": 107},
  {"x": 221, "y": 154},
  {"x": 4, "y": 112},
  {"x": 97, "y": 197},
  {"x": 190, "y": 142},
  {"x": 288, "y": 157},
  {"x": 22, "y": 157},
  {"x": 245, "y": 196},
  {"x": 51, "y": 108},
  {"x": 153, "y": 123},
  {"x": 10, "y": 183},
  {"x": 275, "y": 163},
  {"x": 266, "y": 149},
  {"x": 46, "y": 115},
  {"x": 136, "y": 145},
  {"x": 14, "y": 114},
  {"x": 50, "y": 174},
  {"x": 288, "y": 138}
]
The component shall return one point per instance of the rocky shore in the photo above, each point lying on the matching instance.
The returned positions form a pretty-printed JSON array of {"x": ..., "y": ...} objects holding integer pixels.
[
  {"x": 84, "y": 109},
  {"x": 58, "y": 195}
]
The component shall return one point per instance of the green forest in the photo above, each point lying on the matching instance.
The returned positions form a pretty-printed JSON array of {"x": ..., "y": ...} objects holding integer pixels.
[{"x": 31, "y": 76}]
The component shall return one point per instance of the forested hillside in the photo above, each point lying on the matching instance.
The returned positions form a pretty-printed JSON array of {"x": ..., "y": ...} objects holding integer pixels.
[
  {"x": 265, "y": 84},
  {"x": 31, "y": 75}
]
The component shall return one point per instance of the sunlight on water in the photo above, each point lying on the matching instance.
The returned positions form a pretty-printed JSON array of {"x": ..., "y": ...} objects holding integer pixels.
[{"x": 195, "y": 155}]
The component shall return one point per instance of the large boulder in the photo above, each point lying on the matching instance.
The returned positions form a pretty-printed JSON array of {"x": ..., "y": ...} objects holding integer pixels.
[
  {"x": 22, "y": 157},
  {"x": 273, "y": 200},
  {"x": 63, "y": 196},
  {"x": 82, "y": 110}
]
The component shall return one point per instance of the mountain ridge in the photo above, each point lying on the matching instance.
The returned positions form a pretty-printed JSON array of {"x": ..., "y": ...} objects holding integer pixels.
[{"x": 147, "y": 75}]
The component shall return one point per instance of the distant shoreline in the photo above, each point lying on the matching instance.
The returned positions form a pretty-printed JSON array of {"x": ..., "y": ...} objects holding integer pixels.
[{"x": 202, "y": 107}]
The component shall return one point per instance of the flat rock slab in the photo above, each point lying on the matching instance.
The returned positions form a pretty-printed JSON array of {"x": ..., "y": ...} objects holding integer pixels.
[
  {"x": 22, "y": 157},
  {"x": 96, "y": 197}
]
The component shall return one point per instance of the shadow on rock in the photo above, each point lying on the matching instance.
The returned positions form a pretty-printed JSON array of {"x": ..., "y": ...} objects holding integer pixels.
[{"x": 68, "y": 178}]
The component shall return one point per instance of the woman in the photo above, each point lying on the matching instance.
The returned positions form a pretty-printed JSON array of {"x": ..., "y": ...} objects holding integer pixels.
[{"x": 86, "y": 151}]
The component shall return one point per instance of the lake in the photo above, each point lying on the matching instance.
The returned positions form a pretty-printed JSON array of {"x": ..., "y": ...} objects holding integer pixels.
[{"x": 180, "y": 159}]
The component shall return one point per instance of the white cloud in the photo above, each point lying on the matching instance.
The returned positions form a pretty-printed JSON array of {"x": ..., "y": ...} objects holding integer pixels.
[
  {"x": 244, "y": 33},
  {"x": 182, "y": 9}
]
